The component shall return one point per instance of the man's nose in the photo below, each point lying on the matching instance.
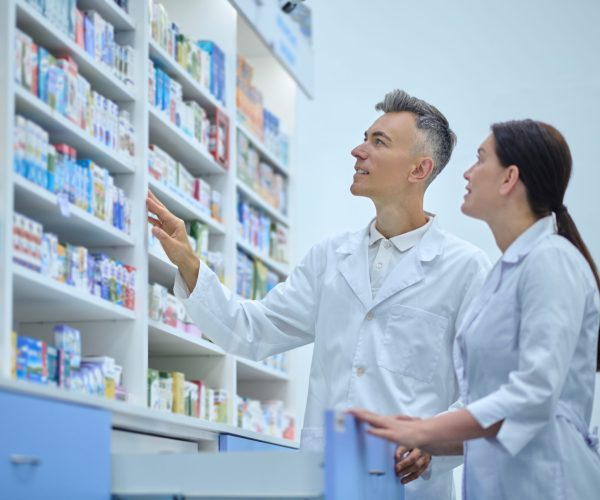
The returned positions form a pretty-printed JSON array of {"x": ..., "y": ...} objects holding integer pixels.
[{"x": 359, "y": 152}]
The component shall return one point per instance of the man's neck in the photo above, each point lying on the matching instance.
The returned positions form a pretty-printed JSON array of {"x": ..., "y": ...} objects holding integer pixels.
[{"x": 395, "y": 220}]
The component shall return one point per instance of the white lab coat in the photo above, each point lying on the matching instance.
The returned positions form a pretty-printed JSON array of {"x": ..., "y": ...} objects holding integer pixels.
[
  {"x": 391, "y": 353},
  {"x": 526, "y": 354}
]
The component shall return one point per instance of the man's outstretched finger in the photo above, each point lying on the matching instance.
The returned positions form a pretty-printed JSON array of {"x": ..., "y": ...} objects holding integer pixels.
[{"x": 153, "y": 197}]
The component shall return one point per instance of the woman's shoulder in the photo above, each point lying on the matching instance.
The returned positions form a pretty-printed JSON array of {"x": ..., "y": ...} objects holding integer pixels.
[{"x": 555, "y": 253}]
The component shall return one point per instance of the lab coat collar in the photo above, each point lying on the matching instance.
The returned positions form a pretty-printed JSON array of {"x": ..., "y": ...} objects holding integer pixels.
[
  {"x": 355, "y": 267},
  {"x": 402, "y": 242},
  {"x": 432, "y": 242},
  {"x": 527, "y": 240}
]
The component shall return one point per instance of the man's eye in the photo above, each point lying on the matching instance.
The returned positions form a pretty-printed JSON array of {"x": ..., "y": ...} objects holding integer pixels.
[{"x": 379, "y": 141}]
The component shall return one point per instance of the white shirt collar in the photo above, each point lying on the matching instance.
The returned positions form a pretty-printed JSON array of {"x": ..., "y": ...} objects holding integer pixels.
[{"x": 402, "y": 242}]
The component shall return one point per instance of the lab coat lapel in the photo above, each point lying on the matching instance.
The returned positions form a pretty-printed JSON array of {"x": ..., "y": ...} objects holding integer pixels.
[
  {"x": 354, "y": 266},
  {"x": 410, "y": 269},
  {"x": 408, "y": 272}
]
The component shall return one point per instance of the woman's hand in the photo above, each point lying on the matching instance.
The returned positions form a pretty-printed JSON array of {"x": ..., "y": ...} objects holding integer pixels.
[{"x": 399, "y": 429}]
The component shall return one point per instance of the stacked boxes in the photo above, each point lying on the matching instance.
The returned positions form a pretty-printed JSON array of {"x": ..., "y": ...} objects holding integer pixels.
[
  {"x": 55, "y": 167},
  {"x": 27, "y": 242},
  {"x": 57, "y": 82},
  {"x": 169, "y": 391},
  {"x": 253, "y": 114},
  {"x": 249, "y": 99},
  {"x": 94, "y": 273},
  {"x": 60, "y": 364},
  {"x": 254, "y": 279},
  {"x": 266, "y": 417},
  {"x": 204, "y": 60},
  {"x": 268, "y": 183},
  {"x": 91, "y": 32},
  {"x": 173, "y": 174},
  {"x": 166, "y": 94},
  {"x": 262, "y": 232}
]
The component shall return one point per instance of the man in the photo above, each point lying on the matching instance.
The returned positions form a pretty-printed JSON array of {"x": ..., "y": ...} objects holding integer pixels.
[{"x": 381, "y": 305}]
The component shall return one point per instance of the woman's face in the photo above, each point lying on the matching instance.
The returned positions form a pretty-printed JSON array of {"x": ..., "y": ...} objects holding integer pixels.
[{"x": 485, "y": 177}]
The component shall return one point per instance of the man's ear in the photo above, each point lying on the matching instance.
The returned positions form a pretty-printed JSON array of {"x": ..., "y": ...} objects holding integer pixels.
[
  {"x": 510, "y": 180},
  {"x": 422, "y": 171}
]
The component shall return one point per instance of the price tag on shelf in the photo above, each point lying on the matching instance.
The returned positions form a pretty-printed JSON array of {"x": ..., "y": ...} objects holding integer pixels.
[{"x": 63, "y": 204}]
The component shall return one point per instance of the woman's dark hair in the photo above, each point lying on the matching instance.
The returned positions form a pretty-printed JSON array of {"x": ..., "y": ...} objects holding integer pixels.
[{"x": 544, "y": 160}]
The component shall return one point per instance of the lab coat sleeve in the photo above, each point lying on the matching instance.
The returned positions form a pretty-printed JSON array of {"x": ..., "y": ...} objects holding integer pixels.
[
  {"x": 551, "y": 298},
  {"x": 254, "y": 329}
]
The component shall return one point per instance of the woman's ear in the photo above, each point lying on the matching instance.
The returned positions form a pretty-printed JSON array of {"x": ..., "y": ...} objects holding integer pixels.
[{"x": 510, "y": 180}]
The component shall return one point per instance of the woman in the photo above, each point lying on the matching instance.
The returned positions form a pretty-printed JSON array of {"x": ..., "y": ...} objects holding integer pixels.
[{"x": 527, "y": 350}]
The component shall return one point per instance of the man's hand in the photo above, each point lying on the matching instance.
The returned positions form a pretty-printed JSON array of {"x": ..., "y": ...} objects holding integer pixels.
[
  {"x": 171, "y": 233},
  {"x": 410, "y": 464}
]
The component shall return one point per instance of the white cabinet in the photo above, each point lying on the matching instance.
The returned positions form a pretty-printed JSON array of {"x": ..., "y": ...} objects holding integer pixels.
[{"x": 31, "y": 303}]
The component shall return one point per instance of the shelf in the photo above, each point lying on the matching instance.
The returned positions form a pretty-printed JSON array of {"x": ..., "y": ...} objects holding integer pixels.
[
  {"x": 100, "y": 75},
  {"x": 161, "y": 270},
  {"x": 80, "y": 228},
  {"x": 180, "y": 146},
  {"x": 110, "y": 12},
  {"x": 264, "y": 153},
  {"x": 133, "y": 417},
  {"x": 256, "y": 199},
  {"x": 39, "y": 298},
  {"x": 251, "y": 371},
  {"x": 164, "y": 340},
  {"x": 191, "y": 88},
  {"x": 279, "y": 267},
  {"x": 61, "y": 129},
  {"x": 175, "y": 201}
]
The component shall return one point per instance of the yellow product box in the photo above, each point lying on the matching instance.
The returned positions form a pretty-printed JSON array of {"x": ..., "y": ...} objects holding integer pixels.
[
  {"x": 13, "y": 355},
  {"x": 178, "y": 392},
  {"x": 109, "y": 387}
]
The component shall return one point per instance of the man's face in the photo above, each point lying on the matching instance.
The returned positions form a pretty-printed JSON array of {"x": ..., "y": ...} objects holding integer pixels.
[{"x": 386, "y": 157}]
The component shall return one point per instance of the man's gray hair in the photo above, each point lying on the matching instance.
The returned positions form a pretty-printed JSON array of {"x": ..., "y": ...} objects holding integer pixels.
[{"x": 438, "y": 139}]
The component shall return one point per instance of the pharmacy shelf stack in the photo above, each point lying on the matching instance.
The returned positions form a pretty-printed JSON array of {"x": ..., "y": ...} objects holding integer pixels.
[{"x": 101, "y": 101}]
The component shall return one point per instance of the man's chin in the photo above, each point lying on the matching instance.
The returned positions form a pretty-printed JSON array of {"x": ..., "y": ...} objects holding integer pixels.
[{"x": 356, "y": 190}]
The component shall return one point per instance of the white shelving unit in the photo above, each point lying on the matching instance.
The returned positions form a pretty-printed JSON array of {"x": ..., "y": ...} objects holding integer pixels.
[
  {"x": 41, "y": 299},
  {"x": 71, "y": 223},
  {"x": 31, "y": 303},
  {"x": 30, "y": 21},
  {"x": 63, "y": 130},
  {"x": 189, "y": 152},
  {"x": 264, "y": 152},
  {"x": 256, "y": 200},
  {"x": 278, "y": 267}
]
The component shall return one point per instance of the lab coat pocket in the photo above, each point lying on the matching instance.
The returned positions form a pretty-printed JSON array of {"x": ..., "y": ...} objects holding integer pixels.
[{"x": 412, "y": 343}]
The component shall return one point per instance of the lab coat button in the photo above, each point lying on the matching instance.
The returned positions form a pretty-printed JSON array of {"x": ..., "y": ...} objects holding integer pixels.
[
  {"x": 369, "y": 316},
  {"x": 379, "y": 265},
  {"x": 386, "y": 244},
  {"x": 360, "y": 371}
]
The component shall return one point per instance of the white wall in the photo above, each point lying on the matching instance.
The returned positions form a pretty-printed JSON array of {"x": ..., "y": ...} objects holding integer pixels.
[{"x": 479, "y": 62}]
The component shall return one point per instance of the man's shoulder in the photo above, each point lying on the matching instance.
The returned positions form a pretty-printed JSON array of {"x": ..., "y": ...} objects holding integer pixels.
[
  {"x": 347, "y": 239},
  {"x": 461, "y": 250}
]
